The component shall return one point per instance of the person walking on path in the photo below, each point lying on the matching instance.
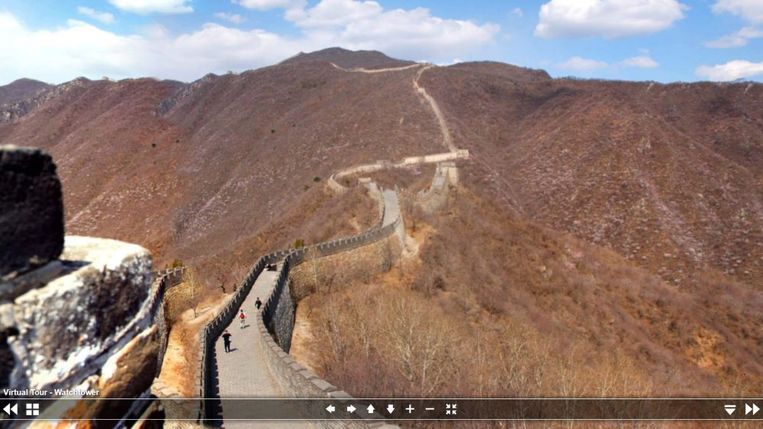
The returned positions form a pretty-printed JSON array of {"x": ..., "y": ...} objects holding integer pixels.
[
  {"x": 226, "y": 340},
  {"x": 258, "y": 303},
  {"x": 242, "y": 317}
]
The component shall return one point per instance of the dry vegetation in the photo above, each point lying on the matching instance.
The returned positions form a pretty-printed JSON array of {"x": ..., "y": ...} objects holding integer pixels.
[
  {"x": 668, "y": 176},
  {"x": 500, "y": 307},
  {"x": 320, "y": 216},
  {"x": 188, "y": 307}
]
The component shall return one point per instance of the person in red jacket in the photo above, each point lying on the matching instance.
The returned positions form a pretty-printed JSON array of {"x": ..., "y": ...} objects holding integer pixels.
[{"x": 242, "y": 318}]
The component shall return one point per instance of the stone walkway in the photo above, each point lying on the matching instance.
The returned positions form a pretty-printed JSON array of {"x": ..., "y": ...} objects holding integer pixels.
[
  {"x": 391, "y": 207},
  {"x": 243, "y": 372}
]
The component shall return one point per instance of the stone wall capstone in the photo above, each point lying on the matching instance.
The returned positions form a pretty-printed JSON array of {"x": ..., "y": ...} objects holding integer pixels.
[{"x": 65, "y": 330}]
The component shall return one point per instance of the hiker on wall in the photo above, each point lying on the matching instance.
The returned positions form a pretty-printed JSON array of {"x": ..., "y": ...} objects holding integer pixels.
[
  {"x": 226, "y": 340},
  {"x": 258, "y": 303},
  {"x": 242, "y": 318}
]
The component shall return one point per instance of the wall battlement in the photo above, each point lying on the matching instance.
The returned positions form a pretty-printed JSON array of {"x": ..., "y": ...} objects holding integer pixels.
[{"x": 277, "y": 321}]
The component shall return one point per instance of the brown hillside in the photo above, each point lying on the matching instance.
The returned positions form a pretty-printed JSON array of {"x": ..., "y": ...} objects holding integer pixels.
[
  {"x": 620, "y": 220},
  {"x": 348, "y": 59},
  {"x": 21, "y": 89},
  {"x": 226, "y": 159},
  {"x": 669, "y": 176},
  {"x": 509, "y": 308}
]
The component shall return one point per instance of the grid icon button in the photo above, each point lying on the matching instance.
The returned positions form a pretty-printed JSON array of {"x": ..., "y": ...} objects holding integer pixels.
[{"x": 33, "y": 409}]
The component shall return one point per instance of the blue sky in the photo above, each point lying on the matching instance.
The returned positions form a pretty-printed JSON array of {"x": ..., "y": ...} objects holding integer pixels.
[{"x": 662, "y": 40}]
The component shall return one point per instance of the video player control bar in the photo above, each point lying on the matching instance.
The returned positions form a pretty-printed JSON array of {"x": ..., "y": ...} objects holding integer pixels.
[{"x": 435, "y": 409}]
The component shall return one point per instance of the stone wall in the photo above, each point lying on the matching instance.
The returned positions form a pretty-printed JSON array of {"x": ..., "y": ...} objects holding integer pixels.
[
  {"x": 436, "y": 196},
  {"x": 362, "y": 262},
  {"x": 372, "y": 251},
  {"x": 277, "y": 321},
  {"x": 163, "y": 281},
  {"x": 209, "y": 406},
  {"x": 334, "y": 182},
  {"x": 31, "y": 210},
  {"x": 303, "y": 383},
  {"x": 91, "y": 319},
  {"x": 65, "y": 330},
  {"x": 281, "y": 317},
  {"x": 439, "y": 157}
]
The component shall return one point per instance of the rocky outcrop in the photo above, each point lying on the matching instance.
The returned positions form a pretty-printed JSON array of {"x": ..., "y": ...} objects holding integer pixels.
[
  {"x": 183, "y": 92},
  {"x": 31, "y": 210},
  {"x": 14, "y": 110}
]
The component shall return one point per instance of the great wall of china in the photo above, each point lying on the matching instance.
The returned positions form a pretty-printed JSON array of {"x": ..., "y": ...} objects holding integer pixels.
[
  {"x": 261, "y": 366},
  {"x": 163, "y": 280},
  {"x": 271, "y": 371},
  {"x": 275, "y": 323}
]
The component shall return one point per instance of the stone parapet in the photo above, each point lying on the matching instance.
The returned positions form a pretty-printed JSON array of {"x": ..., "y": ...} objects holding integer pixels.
[{"x": 276, "y": 323}]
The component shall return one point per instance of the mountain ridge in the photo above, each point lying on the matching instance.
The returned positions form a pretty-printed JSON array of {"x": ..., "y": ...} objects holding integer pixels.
[
  {"x": 21, "y": 89},
  {"x": 578, "y": 189},
  {"x": 347, "y": 58}
]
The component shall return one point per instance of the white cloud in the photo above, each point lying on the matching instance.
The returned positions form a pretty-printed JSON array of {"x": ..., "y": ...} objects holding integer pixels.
[
  {"x": 412, "y": 33},
  {"x": 641, "y": 61},
  {"x": 230, "y": 17},
  {"x": 332, "y": 13},
  {"x": 732, "y": 70},
  {"x": 582, "y": 64},
  {"x": 454, "y": 61},
  {"x": 271, "y": 4},
  {"x": 751, "y": 10},
  {"x": 606, "y": 18},
  {"x": 153, "y": 6},
  {"x": 79, "y": 49},
  {"x": 82, "y": 49},
  {"x": 517, "y": 12},
  {"x": 737, "y": 39},
  {"x": 103, "y": 17}
]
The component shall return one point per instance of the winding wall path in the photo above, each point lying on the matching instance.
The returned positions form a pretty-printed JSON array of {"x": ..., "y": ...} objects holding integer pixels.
[
  {"x": 257, "y": 366},
  {"x": 453, "y": 153},
  {"x": 447, "y": 139},
  {"x": 244, "y": 372}
]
